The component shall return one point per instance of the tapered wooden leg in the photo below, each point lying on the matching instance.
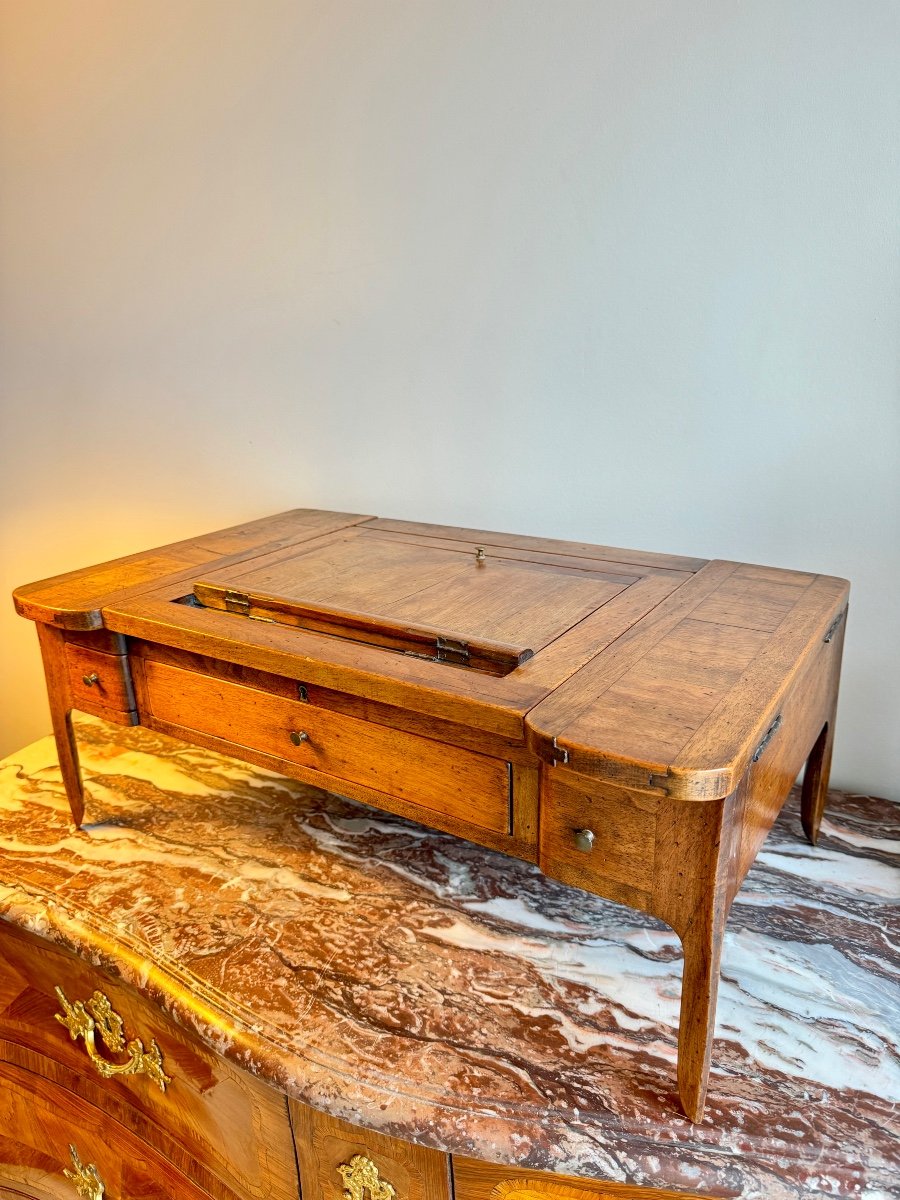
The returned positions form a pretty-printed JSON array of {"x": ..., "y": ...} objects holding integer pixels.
[
  {"x": 692, "y": 894},
  {"x": 702, "y": 943},
  {"x": 818, "y": 766},
  {"x": 68, "y": 763},
  {"x": 815, "y": 782},
  {"x": 53, "y": 652}
]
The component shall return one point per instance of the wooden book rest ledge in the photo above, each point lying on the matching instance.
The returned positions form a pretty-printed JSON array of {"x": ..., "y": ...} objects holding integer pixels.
[{"x": 631, "y": 722}]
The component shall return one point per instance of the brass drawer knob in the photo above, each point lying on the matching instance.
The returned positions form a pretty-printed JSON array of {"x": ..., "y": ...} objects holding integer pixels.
[
  {"x": 584, "y": 840},
  {"x": 299, "y": 736},
  {"x": 90, "y": 680},
  {"x": 88, "y": 1183},
  {"x": 96, "y": 1016},
  {"x": 361, "y": 1179}
]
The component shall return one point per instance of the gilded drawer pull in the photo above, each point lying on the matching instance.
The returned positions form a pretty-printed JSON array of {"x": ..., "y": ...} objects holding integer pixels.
[
  {"x": 360, "y": 1175},
  {"x": 90, "y": 680},
  {"x": 87, "y": 1018},
  {"x": 88, "y": 1183},
  {"x": 299, "y": 736}
]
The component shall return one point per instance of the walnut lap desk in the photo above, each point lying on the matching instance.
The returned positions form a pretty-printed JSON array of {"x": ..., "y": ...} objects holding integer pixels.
[{"x": 631, "y": 722}]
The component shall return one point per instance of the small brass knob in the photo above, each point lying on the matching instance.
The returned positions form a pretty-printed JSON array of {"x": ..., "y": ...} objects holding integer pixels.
[
  {"x": 299, "y": 736},
  {"x": 90, "y": 680},
  {"x": 479, "y": 554},
  {"x": 584, "y": 840}
]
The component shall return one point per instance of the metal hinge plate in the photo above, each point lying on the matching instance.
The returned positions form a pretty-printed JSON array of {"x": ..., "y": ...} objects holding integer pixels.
[
  {"x": 770, "y": 733},
  {"x": 237, "y": 602},
  {"x": 558, "y": 755},
  {"x": 834, "y": 626},
  {"x": 452, "y": 651}
]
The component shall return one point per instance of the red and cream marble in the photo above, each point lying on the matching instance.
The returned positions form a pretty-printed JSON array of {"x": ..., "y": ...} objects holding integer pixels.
[{"x": 417, "y": 984}]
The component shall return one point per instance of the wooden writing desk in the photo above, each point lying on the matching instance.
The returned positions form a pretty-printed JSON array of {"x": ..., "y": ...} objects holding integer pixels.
[{"x": 631, "y": 722}]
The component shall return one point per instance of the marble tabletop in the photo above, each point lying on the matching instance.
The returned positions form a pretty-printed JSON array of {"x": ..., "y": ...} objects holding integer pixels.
[{"x": 414, "y": 983}]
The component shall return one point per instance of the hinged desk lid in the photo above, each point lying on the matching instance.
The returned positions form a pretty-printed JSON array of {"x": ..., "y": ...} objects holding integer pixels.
[{"x": 468, "y": 605}]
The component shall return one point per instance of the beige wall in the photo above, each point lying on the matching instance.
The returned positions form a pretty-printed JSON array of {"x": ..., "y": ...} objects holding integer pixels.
[{"x": 618, "y": 270}]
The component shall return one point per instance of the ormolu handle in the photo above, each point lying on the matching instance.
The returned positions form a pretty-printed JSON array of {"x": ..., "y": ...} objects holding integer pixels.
[
  {"x": 361, "y": 1179},
  {"x": 87, "y": 1018},
  {"x": 88, "y": 1183},
  {"x": 90, "y": 680}
]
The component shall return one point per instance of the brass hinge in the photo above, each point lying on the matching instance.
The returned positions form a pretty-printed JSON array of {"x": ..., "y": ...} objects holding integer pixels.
[
  {"x": 452, "y": 651},
  {"x": 770, "y": 733},
  {"x": 834, "y": 626},
  {"x": 551, "y": 753},
  {"x": 238, "y": 602},
  {"x": 559, "y": 756}
]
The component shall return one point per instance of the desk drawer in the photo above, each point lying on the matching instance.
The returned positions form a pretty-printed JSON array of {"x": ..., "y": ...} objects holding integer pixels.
[
  {"x": 98, "y": 681},
  {"x": 422, "y": 773},
  {"x": 219, "y": 1126},
  {"x": 598, "y": 836}
]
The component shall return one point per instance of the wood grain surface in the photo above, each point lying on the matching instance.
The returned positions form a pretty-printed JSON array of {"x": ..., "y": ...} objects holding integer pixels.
[
  {"x": 222, "y": 1128},
  {"x": 631, "y": 721},
  {"x": 324, "y": 1144},
  {"x": 476, "y": 1180}
]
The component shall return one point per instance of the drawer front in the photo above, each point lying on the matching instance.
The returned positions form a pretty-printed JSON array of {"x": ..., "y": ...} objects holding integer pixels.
[
  {"x": 597, "y": 836},
  {"x": 474, "y": 1180},
  {"x": 98, "y": 680},
  {"x": 219, "y": 1126},
  {"x": 428, "y": 774},
  {"x": 340, "y": 1161},
  {"x": 52, "y": 1143}
]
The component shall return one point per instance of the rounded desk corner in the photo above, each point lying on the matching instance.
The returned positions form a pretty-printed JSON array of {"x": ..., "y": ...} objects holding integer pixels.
[
  {"x": 79, "y": 619},
  {"x": 700, "y": 785}
]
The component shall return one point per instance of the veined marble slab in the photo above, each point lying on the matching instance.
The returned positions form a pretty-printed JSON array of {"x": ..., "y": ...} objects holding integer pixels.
[{"x": 408, "y": 981}]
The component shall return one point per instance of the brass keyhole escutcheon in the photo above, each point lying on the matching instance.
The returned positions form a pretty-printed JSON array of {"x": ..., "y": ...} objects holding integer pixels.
[
  {"x": 584, "y": 840},
  {"x": 299, "y": 736}
]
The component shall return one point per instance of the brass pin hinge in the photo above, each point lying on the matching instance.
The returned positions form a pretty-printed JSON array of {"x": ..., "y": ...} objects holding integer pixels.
[
  {"x": 452, "y": 651},
  {"x": 550, "y": 752},
  {"x": 770, "y": 733},
  {"x": 560, "y": 756},
  {"x": 238, "y": 602},
  {"x": 834, "y": 626}
]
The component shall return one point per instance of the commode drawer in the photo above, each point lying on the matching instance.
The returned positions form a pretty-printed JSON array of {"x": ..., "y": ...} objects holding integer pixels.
[
  {"x": 429, "y": 775},
  {"x": 338, "y": 1161},
  {"x": 55, "y": 1144},
  {"x": 474, "y": 1180},
  {"x": 84, "y": 1031}
]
